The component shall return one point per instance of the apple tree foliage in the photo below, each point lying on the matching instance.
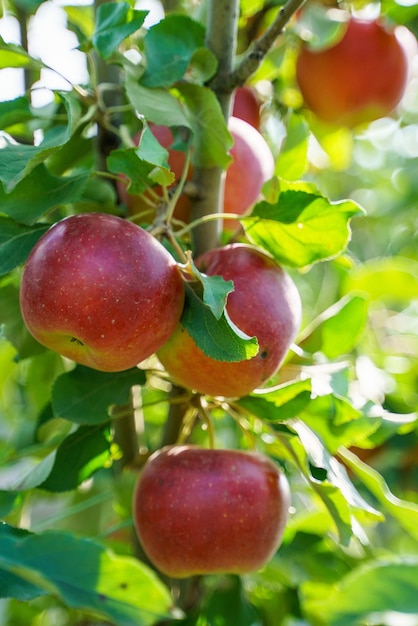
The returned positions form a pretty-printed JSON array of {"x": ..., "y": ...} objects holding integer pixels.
[{"x": 340, "y": 215}]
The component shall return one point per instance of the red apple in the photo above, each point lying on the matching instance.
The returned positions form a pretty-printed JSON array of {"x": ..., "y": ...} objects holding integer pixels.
[
  {"x": 101, "y": 291},
  {"x": 246, "y": 106},
  {"x": 265, "y": 303},
  {"x": 359, "y": 79},
  {"x": 204, "y": 511},
  {"x": 252, "y": 166}
]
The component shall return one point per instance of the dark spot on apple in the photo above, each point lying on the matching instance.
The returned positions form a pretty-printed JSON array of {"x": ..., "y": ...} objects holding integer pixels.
[
  {"x": 77, "y": 341},
  {"x": 264, "y": 354}
]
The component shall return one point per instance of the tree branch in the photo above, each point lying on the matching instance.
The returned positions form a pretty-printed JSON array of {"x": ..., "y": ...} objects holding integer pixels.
[
  {"x": 22, "y": 18},
  {"x": 221, "y": 37},
  {"x": 260, "y": 47},
  {"x": 110, "y": 98}
]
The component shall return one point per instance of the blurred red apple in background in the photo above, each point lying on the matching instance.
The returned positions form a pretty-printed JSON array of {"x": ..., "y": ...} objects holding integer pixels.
[
  {"x": 204, "y": 511},
  {"x": 265, "y": 303},
  {"x": 101, "y": 291},
  {"x": 246, "y": 106},
  {"x": 359, "y": 79}
]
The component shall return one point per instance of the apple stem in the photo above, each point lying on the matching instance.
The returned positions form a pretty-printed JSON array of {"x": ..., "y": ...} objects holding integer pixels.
[
  {"x": 174, "y": 421},
  {"x": 210, "y": 217},
  {"x": 188, "y": 422},
  {"x": 125, "y": 434},
  {"x": 207, "y": 418},
  {"x": 179, "y": 189}
]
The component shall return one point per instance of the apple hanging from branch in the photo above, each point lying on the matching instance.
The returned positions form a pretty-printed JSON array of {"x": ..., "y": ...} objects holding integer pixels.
[
  {"x": 207, "y": 511},
  {"x": 101, "y": 291}
]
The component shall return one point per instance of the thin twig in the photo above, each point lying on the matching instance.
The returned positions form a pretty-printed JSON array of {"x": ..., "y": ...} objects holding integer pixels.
[{"x": 258, "y": 50}]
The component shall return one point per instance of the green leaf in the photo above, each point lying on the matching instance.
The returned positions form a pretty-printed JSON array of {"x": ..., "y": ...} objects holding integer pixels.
[
  {"x": 12, "y": 586},
  {"x": 337, "y": 422},
  {"x": 400, "y": 13},
  {"x": 219, "y": 338},
  {"x": 338, "y": 329},
  {"x": 279, "y": 403},
  {"x": 228, "y": 604},
  {"x": 215, "y": 293},
  {"x": 84, "y": 575},
  {"x": 80, "y": 455},
  {"x": 406, "y": 513},
  {"x": 99, "y": 195},
  {"x": 390, "y": 279},
  {"x": 211, "y": 138},
  {"x": 12, "y": 55},
  {"x": 293, "y": 158},
  {"x": 16, "y": 241},
  {"x": 156, "y": 105},
  {"x": 215, "y": 290},
  {"x": 14, "y": 328},
  {"x": 81, "y": 20},
  {"x": 84, "y": 395},
  {"x": 39, "y": 192},
  {"x": 28, "y": 473},
  {"x": 15, "y": 111},
  {"x": 9, "y": 500},
  {"x": 303, "y": 226},
  {"x": 375, "y": 587},
  {"x": 169, "y": 48},
  {"x": 128, "y": 163},
  {"x": 203, "y": 66},
  {"x": 149, "y": 149},
  {"x": 19, "y": 160},
  {"x": 28, "y": 6},
  {"x": 114, "y": 22},
  {"x": 338, "y": 493}
]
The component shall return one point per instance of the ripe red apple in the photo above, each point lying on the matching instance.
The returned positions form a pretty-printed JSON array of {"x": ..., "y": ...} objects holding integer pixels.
[
  {"x": 101, "y": 291},
  {"x": 265, "y": 303},
  {"x": 205, "y": 511},
  {"x": 252, "y": 166},
  {"x": 246, "y": 106},
  {"x": 359, "y": 79}
]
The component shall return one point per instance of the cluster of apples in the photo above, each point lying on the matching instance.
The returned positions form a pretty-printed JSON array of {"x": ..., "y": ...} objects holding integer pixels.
[{"x": 104, "y": 292}]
